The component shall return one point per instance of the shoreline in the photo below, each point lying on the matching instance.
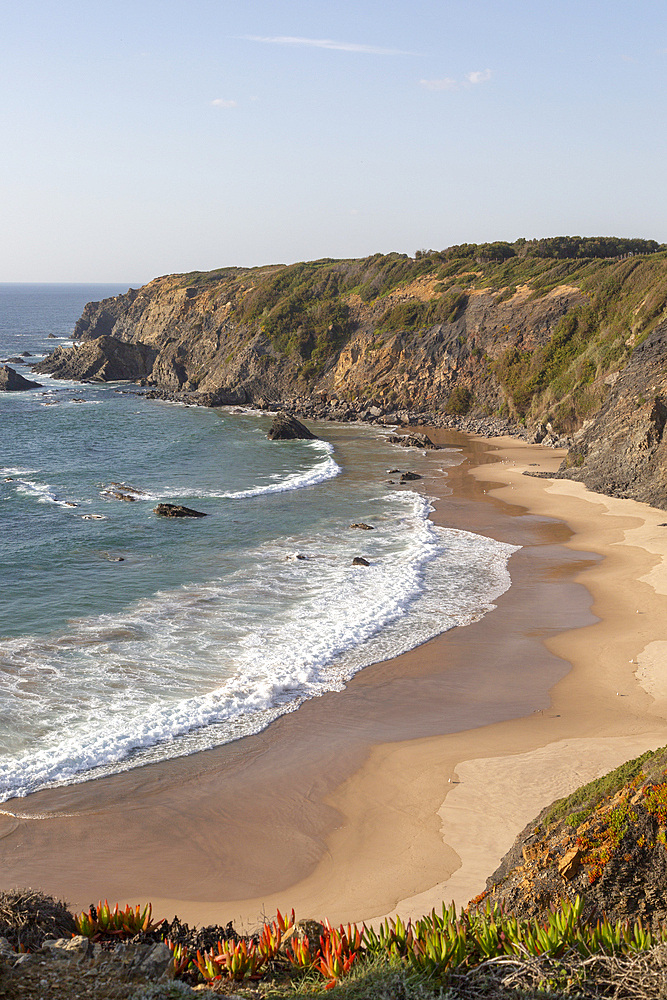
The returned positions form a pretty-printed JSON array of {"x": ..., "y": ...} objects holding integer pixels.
[{"x": 345, "y": 808}]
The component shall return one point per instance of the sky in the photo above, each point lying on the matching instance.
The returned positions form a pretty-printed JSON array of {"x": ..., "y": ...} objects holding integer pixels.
[{"x": 143, "y": 138}]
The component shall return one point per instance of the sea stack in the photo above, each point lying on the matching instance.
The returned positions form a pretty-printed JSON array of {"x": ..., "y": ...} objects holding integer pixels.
[{"x": 11, "y": 381}]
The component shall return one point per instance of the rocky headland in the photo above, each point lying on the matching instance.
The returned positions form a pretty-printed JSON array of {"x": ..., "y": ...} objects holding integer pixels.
[{"x": 557, "y": 341}]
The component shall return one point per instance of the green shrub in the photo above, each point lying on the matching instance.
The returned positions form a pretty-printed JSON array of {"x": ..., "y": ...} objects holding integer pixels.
[{"x": 460, "y": 400}]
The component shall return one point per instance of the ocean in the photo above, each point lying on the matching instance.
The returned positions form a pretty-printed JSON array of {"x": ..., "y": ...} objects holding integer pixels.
[{"x": 126, "y": 638}]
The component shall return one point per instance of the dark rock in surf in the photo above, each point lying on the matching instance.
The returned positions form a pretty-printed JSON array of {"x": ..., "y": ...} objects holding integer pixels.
[
  {"x": 409, "y": 477},
  {"x": 360, "y": 561},
  {"x": 364, "y": 527},
  {"x": 287, "y": 428},
  {"x": 118, "y": 495},
  {"x": 121, "y": 491},
  {"x": 51, "y": 336},
  {"x": 11, "y": 381},
  {"x": 176, "y": 510}
]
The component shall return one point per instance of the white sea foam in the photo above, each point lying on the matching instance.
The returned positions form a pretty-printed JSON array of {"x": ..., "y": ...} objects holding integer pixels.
[
  {"x": 327, "y": 468},
  {"x": 201, "y": 665},
  {"x": 42, "y": 492}
]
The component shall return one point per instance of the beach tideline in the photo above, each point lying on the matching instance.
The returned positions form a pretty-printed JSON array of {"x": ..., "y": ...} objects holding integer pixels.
[{"x": 406, "y": 788}]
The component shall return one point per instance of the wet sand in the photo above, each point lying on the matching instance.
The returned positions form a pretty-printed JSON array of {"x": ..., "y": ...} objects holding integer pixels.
[{"x": 407, "y": 787}]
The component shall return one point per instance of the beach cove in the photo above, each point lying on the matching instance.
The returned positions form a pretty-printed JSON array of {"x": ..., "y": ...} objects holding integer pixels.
[{"x": 407, "y": 787}]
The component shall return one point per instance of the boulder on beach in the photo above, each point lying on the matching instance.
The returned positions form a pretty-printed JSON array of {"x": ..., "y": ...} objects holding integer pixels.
[
  {"x": 412, "y": 440},
  {"x": 11, "y": 381},
  {"x": 176, "y": 510},
  {"x": 285, "y": 427}
]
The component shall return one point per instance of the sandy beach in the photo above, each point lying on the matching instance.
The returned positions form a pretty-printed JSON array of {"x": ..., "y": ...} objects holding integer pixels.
[{"x": 406, "y": 788}]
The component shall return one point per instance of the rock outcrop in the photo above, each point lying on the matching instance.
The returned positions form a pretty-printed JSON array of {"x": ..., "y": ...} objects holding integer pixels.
[
  {"x": 199, "y": 338},
  {"x": 105, "y": 359},
  {"x": 287, "y": 428},
  {"x": 11, "y": 381}
]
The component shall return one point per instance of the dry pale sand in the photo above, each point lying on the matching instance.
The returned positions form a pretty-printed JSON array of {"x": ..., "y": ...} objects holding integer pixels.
[{"x": 406, "y": 788}]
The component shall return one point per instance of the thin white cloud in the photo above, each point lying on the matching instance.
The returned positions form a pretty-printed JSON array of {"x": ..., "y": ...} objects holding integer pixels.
[
  {"x": 326, "y": 43},
  {"x": 220, "y": 102},
  {"x": 479, "y": 76},
  {"x": 447, "y": 83}
]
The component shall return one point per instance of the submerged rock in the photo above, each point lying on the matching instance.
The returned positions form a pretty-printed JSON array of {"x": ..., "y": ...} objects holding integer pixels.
[
  {"x": 285, "y": 427},
  {"x": 120, "y": 491},
  {"x": 11, "y": 381},
  {"x": 176, "y": 510}
]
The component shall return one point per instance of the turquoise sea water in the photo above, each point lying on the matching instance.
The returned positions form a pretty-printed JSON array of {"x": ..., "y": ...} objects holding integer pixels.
[{"x": 126, "y": 638}]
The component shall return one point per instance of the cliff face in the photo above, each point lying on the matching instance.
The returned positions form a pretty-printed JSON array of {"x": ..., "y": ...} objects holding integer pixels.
[
  {"x": 622, "y": 451},
  {"x": 198, "y": 340}
]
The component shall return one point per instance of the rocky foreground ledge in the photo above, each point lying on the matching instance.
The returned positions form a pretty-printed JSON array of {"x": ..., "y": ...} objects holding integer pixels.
[{"x": 576, "y": 909}]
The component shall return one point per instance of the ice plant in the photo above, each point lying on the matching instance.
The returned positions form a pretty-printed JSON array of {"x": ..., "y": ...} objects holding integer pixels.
[
  {"x": 285, "y": 922},
  {"x": 238, "y": 959},
  {"x": 102, "y": 920},
  {"x": 299, "y": 954},
  {"x": 180, "y": 956},
  {"x": 269, "y": 941},
  {"x": 208, "y": 969},
  {"x": 332, "y": 961}
]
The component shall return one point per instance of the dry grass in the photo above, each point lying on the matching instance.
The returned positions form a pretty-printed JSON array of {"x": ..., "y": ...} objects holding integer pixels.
[
  {"x": 642, "y": 976},
  {"x": 27, "y": 918}
]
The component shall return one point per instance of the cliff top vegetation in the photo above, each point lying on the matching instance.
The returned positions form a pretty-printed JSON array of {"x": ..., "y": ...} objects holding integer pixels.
[{"x": 309, "y": 310}]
